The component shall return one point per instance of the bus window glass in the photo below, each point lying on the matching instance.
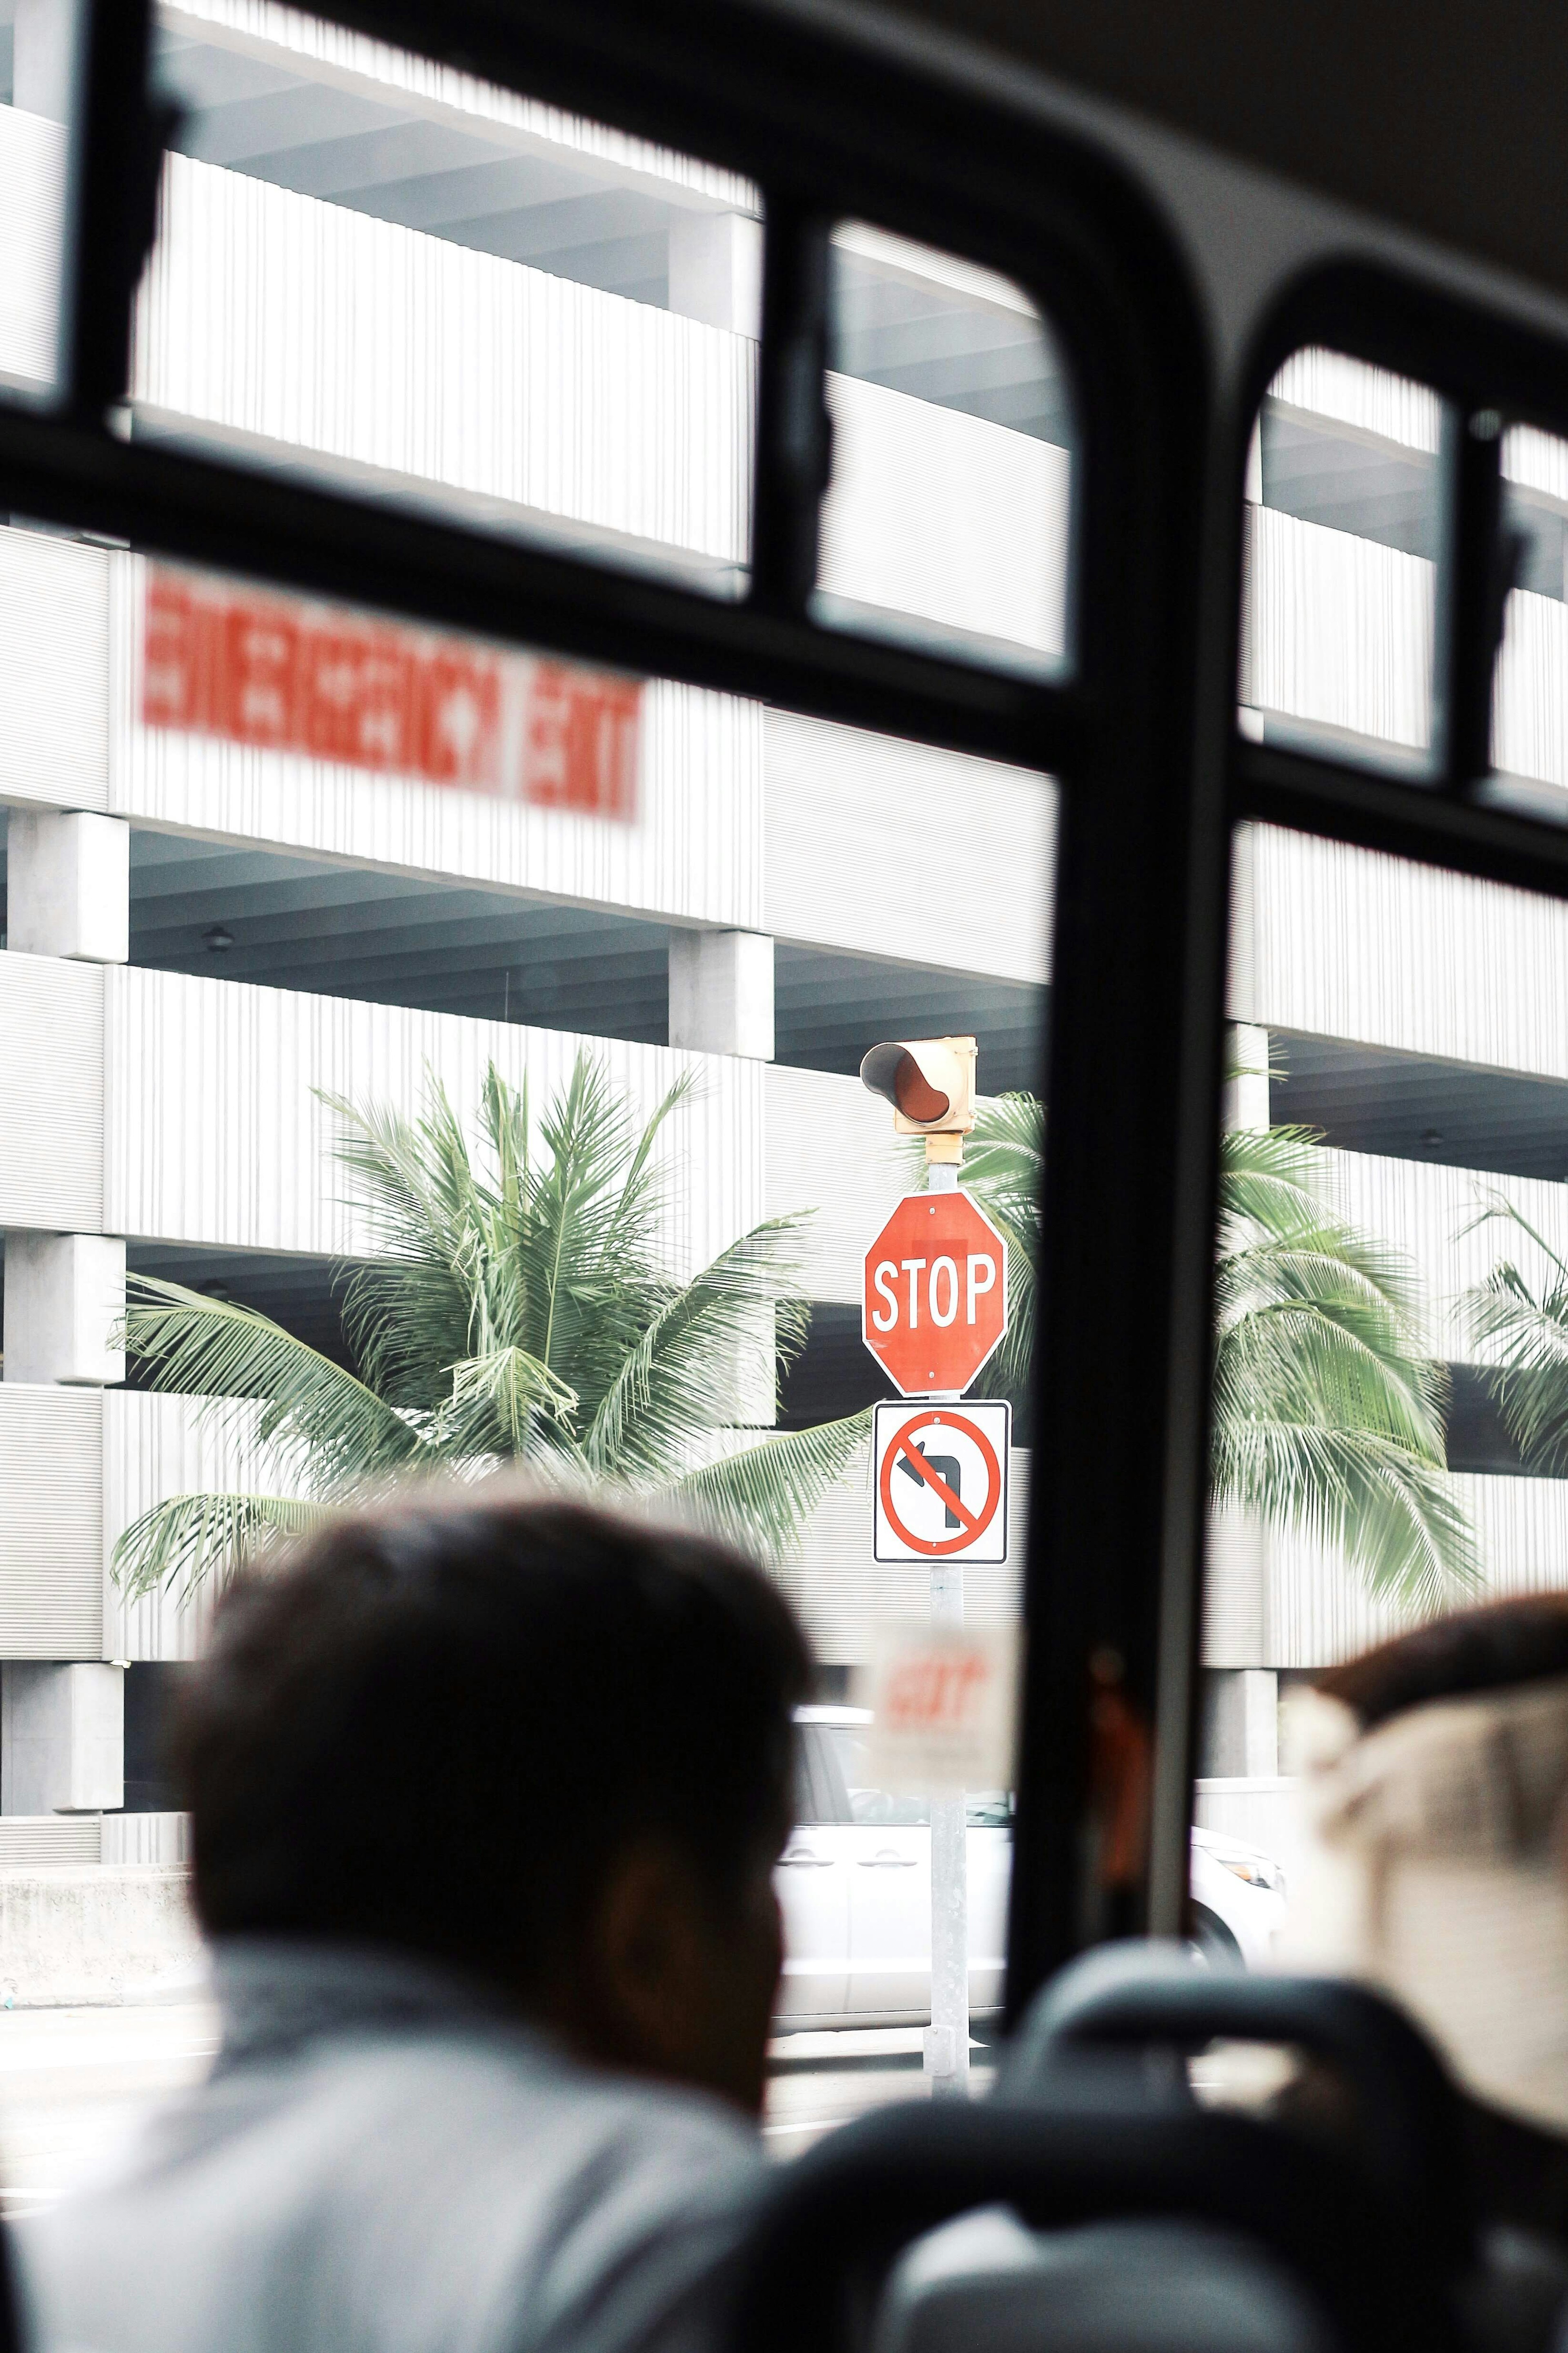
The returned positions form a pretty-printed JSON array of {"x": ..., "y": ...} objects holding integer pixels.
[
  {"x": 283, "y": 984},
  {"x": 1529, "y": 716},
  {"x": 1342, "y": 518},
  {"x": 947, "y": 521},
  {"x": 277, "y": 870},
  {"x": 1395, "y": 1141},
  {"x": 379, "y": 273}
]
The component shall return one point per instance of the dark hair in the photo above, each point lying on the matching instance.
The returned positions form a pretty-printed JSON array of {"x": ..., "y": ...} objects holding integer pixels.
[
  {"x": 1521, "y": 1641},
  {"x": 436, "y": 1723}
]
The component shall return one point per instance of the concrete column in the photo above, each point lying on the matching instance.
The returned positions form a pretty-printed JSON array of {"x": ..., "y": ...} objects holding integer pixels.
[
  {"x": 722, "y": 1002},
  {"x": 43, "y": 54},
  {"x": 1259, "y": 1723},
  {"x": 64, "y": 1294},
  {"x": 1241, "y": 1734},
  {"x": 62, "y": 1738},
  {"x": 68, "y": 885},
  {"x": 1247, "y": 1092},
  {"x": 721, "y": 993},
  {"x": 716, "y": 270}
]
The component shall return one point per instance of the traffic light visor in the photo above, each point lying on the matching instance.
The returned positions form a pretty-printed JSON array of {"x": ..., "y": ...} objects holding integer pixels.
[
  {"x": 893, "y": 1072},
  {"x": 929, "y": 1081}
]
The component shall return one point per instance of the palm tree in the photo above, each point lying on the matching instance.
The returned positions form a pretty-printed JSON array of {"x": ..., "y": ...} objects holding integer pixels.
[
  {"x": 517, "y": 1309},
  {"x": 1526, "y": 1325},
  {"x": 1327, "y": 1413}
]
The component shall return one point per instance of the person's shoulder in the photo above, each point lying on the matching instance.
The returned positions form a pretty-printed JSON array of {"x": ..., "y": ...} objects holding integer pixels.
[
  {"x": 637, "y": 2111},
  {"x": 502, "y": 2083}
]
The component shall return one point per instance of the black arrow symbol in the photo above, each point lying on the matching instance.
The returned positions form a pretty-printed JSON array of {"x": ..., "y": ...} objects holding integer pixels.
[{"x": 946, "y": 1466}]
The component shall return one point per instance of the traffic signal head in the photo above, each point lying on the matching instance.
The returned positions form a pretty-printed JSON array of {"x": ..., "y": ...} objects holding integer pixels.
[{"x": 929, "y": 1081}]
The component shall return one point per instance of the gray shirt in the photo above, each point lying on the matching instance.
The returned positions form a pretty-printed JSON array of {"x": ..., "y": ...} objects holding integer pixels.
[{"x": 384, "y": 2162}]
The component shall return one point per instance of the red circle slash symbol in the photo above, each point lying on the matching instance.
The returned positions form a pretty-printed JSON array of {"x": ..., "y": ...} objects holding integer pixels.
[{"x": 904, "y": 1453}]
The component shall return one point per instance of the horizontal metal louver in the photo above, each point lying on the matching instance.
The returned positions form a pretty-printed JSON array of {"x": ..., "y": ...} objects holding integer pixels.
[
  {"x": 854, "y": 824},
  {"x": 33, "y": 174},
  {"x": 51, "y": 1522},
  {"x": 216, "y": 1131},
  {"x": 50, "y": 1840},
  {"x": 51, "y": 1084},
  {"x": 53, "y": 671},
  {"x": 1351, "y": 943},
  {"x": 831, "y": 1150},
  {"x": 302, "y": 326}
]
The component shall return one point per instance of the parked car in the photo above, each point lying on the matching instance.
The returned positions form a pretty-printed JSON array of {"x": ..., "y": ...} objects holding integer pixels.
[{"x": 854, "y": 1883}]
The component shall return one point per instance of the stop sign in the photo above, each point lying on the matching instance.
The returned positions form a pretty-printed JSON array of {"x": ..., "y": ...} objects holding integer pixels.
[{"x": 935, "y": 1298}]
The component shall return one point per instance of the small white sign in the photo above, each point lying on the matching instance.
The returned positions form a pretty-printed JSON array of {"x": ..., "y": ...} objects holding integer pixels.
[
  {"x": 944, "y": 1704},
  {"x": 941, "y": 1481}
]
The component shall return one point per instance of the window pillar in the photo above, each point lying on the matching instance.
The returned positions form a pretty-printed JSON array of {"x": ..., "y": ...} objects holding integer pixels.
[
  {"x": 68, "y": 895},
  {"x": 1246, "y": 1083},
  {"x": 721, "y": 993},
  {"x": 716, "y": 270},
  {"x": 1241, "y": 1732},
  {"x": 43, "y": 37},
  {"x": 62, "y": 1738},
  {"x": 68, "y": 885},
  {"x": 64, "y": 1295}
]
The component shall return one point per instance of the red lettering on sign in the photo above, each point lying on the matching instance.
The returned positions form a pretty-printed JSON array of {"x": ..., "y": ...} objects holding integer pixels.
[
  {"x": 936, "y": 1692},
  {"x": 460, "y": 719},
  {"x": 581, "y": 732},
  {"x": 294, "y": 677},
  {"x": 356, "y": 690}
]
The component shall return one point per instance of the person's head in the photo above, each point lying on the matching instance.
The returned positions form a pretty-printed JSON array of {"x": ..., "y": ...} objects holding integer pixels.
[
  {"x": 543, "y": 1743},
  {"x": 1434, "y": 1801}
]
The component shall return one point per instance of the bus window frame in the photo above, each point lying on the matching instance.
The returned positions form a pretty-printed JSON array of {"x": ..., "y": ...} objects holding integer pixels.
[{"x": 1476, "y": 359}]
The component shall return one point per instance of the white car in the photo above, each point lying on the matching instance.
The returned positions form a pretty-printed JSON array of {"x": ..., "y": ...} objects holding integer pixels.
[
  {"x": 1239, "y": 1900},
  {"x": 854, "y": 1883}
]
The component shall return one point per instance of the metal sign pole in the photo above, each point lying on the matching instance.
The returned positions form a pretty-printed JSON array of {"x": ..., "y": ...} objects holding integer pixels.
[
  {"x": 930, "y": 1082},
  {"x": 947, "y": 2037}
]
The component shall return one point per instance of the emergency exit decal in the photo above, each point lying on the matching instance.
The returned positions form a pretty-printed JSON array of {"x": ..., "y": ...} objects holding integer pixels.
[{"x": 292, "y": 676}]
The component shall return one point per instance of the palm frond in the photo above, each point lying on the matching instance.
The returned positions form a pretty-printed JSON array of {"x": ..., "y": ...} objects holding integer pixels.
[
  {"x": 679, "y": 1376},
  {"x": 411, "y": 1180},
  {"x": 1309, "y": 1362},
  {"x": 520, "y": 1304},
  {"x": 1328, "y": 1408},
  {"x": 645, "y": 1184},
  {"x": 764, "y": 1495},
  {"x": 594, "y": 1214},
  {"x": 1524, "y": 1325},
  {"x": 192, "y": 1537},
  {"x": 502, "y": 1404},
  {"x": 215, "y": 1349},
  {"x": 407, "y": 1312},
  {"x": 1386, "y": 1510}
]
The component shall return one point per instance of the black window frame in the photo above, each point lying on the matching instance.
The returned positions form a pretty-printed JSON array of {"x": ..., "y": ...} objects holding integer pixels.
[
  {"x": 1490, "y": 369},
  {"x": 830, "y": 127},
  {"x": 1484, "y": 364}
]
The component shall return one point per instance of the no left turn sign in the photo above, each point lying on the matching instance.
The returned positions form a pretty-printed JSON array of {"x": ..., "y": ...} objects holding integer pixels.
[{"x": 942, "y": 1481}]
